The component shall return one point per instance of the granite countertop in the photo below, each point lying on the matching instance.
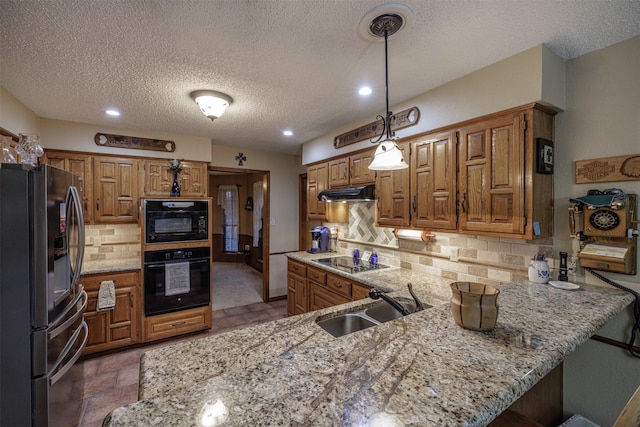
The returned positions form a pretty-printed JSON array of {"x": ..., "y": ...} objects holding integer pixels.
[
  {"x": 107, "y": 266},
  {"x": 422, "y": 369}
]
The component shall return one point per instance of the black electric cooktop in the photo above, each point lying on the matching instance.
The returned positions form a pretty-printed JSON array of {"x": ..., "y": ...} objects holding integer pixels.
[{"x": 349, "y": 264}]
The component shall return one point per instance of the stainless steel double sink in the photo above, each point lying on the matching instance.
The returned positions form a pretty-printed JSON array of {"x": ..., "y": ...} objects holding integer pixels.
[{"x": 347, "y": 323}]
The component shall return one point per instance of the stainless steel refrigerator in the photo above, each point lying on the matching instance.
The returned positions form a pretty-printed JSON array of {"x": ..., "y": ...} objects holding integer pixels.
[{"x": 42, "y": 330}]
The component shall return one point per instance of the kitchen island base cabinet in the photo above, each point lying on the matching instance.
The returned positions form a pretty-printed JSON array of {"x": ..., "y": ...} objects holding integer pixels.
[
  {"x": 297, "y": 295},
  {"x": 118, "y": 327},
  {"x": 541, "y": 405},
  {"x": 310, "y": 288},
  {"x": 177, "y": 323}
]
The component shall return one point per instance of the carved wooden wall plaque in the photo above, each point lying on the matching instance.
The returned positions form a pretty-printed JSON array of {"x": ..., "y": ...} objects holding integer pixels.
[
  {"x": 120, "y": 141},
  {"x": 608, "y": 169},
  {"x": 401, "y": 120}
]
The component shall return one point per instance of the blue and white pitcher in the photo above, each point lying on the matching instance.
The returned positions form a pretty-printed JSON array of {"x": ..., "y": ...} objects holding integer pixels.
[{"x": 539, "y": 271}]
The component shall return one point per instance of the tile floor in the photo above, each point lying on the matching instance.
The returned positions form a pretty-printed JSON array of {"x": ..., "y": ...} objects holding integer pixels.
[{"x": 111, "y": 381}]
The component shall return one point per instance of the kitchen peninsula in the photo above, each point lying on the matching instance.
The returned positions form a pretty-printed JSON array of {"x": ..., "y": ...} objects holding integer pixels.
[{"x": 418, "y": 370}]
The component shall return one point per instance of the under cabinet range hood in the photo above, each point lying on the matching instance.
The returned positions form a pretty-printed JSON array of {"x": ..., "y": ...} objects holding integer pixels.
[{"x": 351, "y": 194}]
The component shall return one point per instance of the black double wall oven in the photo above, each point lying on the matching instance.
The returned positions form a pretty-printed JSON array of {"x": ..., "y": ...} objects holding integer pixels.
[{"x": 177, "y": 256}]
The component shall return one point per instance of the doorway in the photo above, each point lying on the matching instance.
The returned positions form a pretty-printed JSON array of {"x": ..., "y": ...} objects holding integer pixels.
[{"x": 240, "y": 239}]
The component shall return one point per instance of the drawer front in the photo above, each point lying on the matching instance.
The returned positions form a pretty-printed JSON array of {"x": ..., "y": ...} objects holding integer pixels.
[
  {"x": 339, "y": 285},
  {"x": 316, "y": 275},
  {"x": 172, "y": 324},
  {"x": 92, "y": 282},
  {"x": 296, "y": 268},
  {"x": 322, "y": 298}
]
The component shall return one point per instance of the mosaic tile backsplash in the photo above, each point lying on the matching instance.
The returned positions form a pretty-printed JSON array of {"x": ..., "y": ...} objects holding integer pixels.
[
  {"x": 112, "y": 242},
  {"x": 486, "y": 260}
]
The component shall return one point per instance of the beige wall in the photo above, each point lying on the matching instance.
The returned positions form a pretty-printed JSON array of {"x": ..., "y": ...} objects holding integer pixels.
[
  {"x": 15, "y": 117},
  {"x": 602, "y": 119},
  {"x": 75, "y": 136}
]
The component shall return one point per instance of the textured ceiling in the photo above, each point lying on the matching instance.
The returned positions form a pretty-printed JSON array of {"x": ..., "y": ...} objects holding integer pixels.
[{"x": 286, "y": 63}]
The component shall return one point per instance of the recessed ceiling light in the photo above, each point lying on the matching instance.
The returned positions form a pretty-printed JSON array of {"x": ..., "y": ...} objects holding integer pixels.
[
  {"x": 365, "y": 90},
  {"x": 287, "y": 132},
  {"x": 114, "y": 113}
]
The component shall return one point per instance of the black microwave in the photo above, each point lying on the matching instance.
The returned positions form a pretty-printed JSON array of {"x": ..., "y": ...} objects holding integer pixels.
[{"x": 168, "y": 221}]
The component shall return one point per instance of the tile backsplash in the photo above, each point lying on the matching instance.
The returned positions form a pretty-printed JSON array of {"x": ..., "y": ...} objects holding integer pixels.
[
  {"x": 487, "y": 260},
  {"x": 112, "y": 242}
]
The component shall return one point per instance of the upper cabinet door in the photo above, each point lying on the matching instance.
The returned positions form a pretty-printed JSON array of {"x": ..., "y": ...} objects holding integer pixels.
[
  {"x": 359, "y": 172},
  {"x": 115, "y": 189},
  {"x": 193, "y": 179},
  {"x": 392, "y": 195},
  {"x": 433, "y": 181},
  {"x": 77, "y": 164},
  {"x": 157, "y": 178},
  {"x": 317, "y": 179},
  {"x": 338, "y": 176},
  {"x": 491, "y": 181}
]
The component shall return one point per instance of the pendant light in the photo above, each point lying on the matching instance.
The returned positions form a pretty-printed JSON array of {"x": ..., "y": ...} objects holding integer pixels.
[{"x": 388, "y": 155}]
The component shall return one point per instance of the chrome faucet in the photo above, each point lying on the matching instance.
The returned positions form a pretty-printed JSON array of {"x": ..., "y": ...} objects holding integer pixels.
[{"x": 375, "y": 293}]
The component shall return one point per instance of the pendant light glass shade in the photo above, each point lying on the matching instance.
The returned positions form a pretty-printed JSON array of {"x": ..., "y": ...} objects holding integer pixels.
[{"x": 388, "y": 157}]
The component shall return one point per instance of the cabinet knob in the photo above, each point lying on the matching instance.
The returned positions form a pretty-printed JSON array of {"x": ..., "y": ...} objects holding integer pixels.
[{"x": 463, "y": 201}]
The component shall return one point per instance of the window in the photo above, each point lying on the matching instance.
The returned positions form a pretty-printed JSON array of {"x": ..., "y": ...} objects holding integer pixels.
[{"x": 228, "y": 202}]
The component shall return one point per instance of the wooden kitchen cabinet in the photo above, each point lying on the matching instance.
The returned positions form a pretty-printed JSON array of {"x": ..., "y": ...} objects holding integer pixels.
[
  {"x": 393, "y": 195},
  {"x": 115, "y": 189},
  {"x": 193, "y": 179},
  {"x": 500, "y": 192},
  {"x": 433, "y": 181},
  {"x": 297, "y": 294},
  {"x": 339, "y": 172},
  {"x": 158, "y": 179},
  {"x": 78, "y": 164},
  {"x": 119, "y": 327},
  {"x": 311, "y": 288},
  {"x": 491, "y": 172},
  {"x": 317, "y": 181},
  {"x": 351, "y": 170},
  {"x": 478, "y": 177}
]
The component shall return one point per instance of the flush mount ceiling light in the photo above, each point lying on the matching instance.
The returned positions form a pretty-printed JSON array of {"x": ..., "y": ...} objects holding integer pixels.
[
  {"x": 211, "y": 103},
  {"x": 387, "y": 23}
]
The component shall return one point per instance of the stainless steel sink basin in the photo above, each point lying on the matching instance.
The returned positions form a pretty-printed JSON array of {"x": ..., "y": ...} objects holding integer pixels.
[
  {"x": 384, "y": 312},
  {"x": 345, "y": 324}
]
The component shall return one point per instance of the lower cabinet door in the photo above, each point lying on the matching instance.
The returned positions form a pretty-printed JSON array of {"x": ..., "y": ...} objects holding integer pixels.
[{"x": 116, "y": 327}]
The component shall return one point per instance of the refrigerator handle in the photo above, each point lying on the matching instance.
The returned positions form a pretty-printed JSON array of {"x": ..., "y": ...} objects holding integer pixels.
[
  {"x": 65, "y": 351},
  {"x": 77, "y": 206},
  {"x": 60, "y": 324}
]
